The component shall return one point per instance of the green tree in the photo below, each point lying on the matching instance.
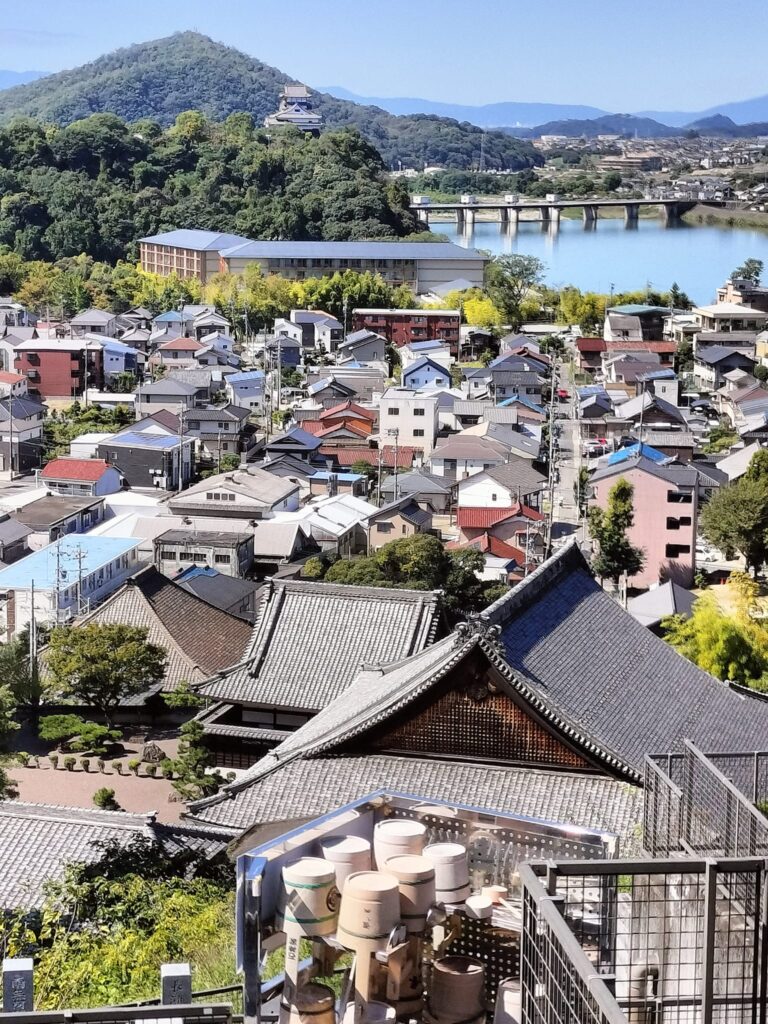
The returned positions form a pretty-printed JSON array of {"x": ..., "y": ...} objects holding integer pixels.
[
  {"x": 581, "y": 490},
  {"x": 612, "y": 181},
  {"x": 761, "y": 372},
  {"x": 750, "y": 270},
  {"x": 616, "y": 554},
  {"x": 677, "y": 298},
  {"x": 71, "y": 732},
  {"x": 104, "y": 799},
  {"x": 731, "y": 647},
  {"x": 103, "y": 664},
  {"x": 736, "y": 518},
  {"x": 509, "y": 279},
  {"x": 192, "y": 763}
]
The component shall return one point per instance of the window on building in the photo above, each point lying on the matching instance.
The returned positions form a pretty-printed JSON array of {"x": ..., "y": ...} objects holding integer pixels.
[
  {"x": 403, "y": 528},
  {"x": 418, "y": 432},
  {"x": 393, "y": 411},
  {"x": 383, "y": 527},
  {"x": 222, "y": 559},
  {"x": 494, "y": 496},
  {"x": 672, "y": 523},
  {"x": 675, "y": 550},
  {"x": 679, "y": 498},
  {"x": 419, "y": 412},
  {"x": 168, "y": 556}
]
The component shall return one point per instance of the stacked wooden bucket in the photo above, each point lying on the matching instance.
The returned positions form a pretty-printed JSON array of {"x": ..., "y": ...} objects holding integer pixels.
[{"x": 374, "y": 912}]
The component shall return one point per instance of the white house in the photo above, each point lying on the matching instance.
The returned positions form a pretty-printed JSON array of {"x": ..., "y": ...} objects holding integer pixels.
[
  {"x": 408, "y": 418},
  {"x": 503, "y": 486},
  {"x": 70, "y": 577},
  {"x": 246, "y": 389},
  {"x": 464, "y": 455}
]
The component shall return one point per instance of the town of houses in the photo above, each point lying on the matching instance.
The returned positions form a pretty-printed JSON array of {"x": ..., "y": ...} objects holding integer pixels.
[{"x": 197, "y": 518}]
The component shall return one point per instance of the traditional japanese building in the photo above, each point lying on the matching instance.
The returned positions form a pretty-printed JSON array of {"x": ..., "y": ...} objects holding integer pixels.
[{"x": 295, "y": 108}]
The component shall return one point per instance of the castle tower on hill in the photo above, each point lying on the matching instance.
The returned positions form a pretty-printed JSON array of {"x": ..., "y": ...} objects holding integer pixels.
[{"x": 295, "y": 108}]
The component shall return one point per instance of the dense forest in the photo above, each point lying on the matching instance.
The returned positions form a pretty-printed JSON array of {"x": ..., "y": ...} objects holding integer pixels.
[
  {"x": 189, "y": 71},
  {"x": 96, "y": 185}
]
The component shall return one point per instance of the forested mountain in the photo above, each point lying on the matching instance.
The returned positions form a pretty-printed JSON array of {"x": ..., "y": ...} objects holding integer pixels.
[
  {"x": 188, "y": 71},
  {"x": 97, "y": 185}
]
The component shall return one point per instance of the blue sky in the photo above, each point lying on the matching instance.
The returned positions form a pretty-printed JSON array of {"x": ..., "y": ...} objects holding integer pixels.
[{"x": 620, "y": 55}]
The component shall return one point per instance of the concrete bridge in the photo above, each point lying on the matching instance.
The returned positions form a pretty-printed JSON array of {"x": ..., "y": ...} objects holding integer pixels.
[{"x": 549, "y": 211}]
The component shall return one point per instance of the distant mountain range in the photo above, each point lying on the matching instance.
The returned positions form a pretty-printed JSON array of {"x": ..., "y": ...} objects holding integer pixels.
[
  {"x": 10, "y": 78},
  {"x": 539, "y": 116}
]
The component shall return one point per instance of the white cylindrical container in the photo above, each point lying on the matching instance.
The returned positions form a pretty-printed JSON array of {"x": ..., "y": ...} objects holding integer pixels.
[
  {"x": 313, "y": 1004},
  {"x": 370, "y": 909},
  {"x": 374, "y": 1013},
  {"x": 457, "y": 991},
  {"x": 308, "y": 903},
  {"x": 438, "y": 810},
  {"x": 348, "y": 854},
  {"x": 451, "y": 871},
  {"x": 495, "y": 893},
  {"x": 478, "y": 907},
  {"x": 396, "y": 837},
  {"x": 416, "y": 880}
]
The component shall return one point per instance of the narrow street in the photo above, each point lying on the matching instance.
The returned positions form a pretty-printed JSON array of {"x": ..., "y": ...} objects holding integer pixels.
[{"x": 566, "y": 520}]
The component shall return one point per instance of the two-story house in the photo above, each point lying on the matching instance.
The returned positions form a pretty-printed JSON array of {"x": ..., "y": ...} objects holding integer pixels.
[
  {"x": 246, "y": 390},
  {"x": 464, "y": 455},
  {"x": 408, "y": 418},
  {"x": 81, "y": 477},
  {"x": 508, "y": 485},
  {"x": 227, "y": 553},
  {"x": 243, "y": 494},
  {"x": 403, "y": 517},
  {"x": 219, "y": 431},
  {"x": 21, "y": 432},
  {"x": 147, "y": 459},
  {"x": 179, "y": 351},
  {"x": 426, "y": 373},
  {"x": 96, "y": 321},
  {"x": 665, "y": 504},
  {"x": 712, "y": 362},
  {"x": 363, "y": 347}
]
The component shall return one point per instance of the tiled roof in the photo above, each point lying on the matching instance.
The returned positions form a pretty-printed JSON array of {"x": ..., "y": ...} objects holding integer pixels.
[
  {"x": 89, "y": 470},
  {"x": 306, "y": 788},
  {"x": 491, "y": 545},
  {"x": 311, "y": 639},
  {"x": 590, "y": 345},
  {"x": 349, "y": 456},
  {"x": 350, "y": 409},
  {"x": 517, "y": 475},
  {"x": 581, "y": 658},
  {"x": 199, "y": 639},
  {"x": 181, "y": 345},
  {"x": 37, "y": 841},
  {"x": 483, "y": 518},
  {"x": 406, "y": 507}
]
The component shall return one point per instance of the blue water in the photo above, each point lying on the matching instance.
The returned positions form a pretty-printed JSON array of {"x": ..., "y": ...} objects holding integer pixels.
[{"x": 698, "y": 257}]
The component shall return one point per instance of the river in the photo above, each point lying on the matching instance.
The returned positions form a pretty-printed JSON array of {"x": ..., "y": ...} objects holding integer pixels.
[{"x": 698, "y": 256}]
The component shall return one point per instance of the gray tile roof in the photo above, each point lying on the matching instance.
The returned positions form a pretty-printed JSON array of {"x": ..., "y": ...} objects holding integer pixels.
[
  {"x": 674, "y": 473},
  {"x": 307, "y": 788},
  {"x": 37, "y": 841},
  {"x": 416, "y": 482},
  {"x": 591, "y": 664},
  {"x": 311, "y": 638},
  {"x": 518, "y": 474},
  {"x": 406, "y": 507},
  {"x": 654, "y": 605},
  {"x": 519, "y": 378}
]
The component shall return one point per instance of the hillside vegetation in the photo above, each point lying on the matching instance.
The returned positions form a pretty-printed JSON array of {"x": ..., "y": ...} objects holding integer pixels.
[
  {"x": 97, "y": 185},
  {"x": 188, "y": 71}
]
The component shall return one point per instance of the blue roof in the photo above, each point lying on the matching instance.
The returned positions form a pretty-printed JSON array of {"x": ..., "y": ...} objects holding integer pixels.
[
  {"x": 171, "y": 317},
  {"x": 323, "y": 474},
  {"x": 633, "y": 450},
  {"x": 76, "y": 555},
  {"x": 522, "y": 400},
  {"x": 668, "y": 374},
  {"x": 245, "y": 377},
  {"x": 421, "y": 346},
  {"x": 134, "y": 439},
  {"x": 195, "y": 570},
  {"x": 350, "y": 250},
  {"x": 637, "y": 309},
  {"x": 590, "y": 389},
  {"x": 297, "y": 436},
  {"x": 425, "y": 361},
  {"x": 193, "y": 238}
]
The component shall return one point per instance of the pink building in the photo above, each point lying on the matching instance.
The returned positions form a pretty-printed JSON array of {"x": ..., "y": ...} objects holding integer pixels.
[{"x": 666, "y": 512}]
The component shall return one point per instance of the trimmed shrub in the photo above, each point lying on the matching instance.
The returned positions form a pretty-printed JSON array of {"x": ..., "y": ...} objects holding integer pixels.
[
  {"x": 54, "y": 759},
  {"x": 150, "y": 770},
  {"x": 166, "y": 768},
  {"x": 85, "y": 764},
  {"x": 101, "y": 764},
  {"x": 118, "y": 766},
  {"x": 105, "y": 799},
  {"x": 134, "y": 764},
  {"x": 69, "y": 763}
]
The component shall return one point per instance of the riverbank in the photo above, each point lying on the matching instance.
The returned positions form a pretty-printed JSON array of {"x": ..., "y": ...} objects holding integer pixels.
[{"x": 727, "y": 218}]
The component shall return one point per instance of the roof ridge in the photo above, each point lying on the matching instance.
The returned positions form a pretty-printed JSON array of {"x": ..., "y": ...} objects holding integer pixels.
[
  {"x": 124, "y": 819},
  {"x": 529, "y": 587}
]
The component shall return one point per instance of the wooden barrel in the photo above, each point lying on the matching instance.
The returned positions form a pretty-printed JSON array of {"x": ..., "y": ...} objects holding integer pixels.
[
  {"x": 456, "y": 992},
  {"x": 373, "y": 1013},
  {"x": 313, "y": 1004},
  {"x": 416, "y": 881},
  {"x": 308, "y": 902},
  {"x": 451, "y": 871},
  {"x": 348, "y": 854},
  {"x": 396, "y": 837},
  {"x": 370, "y": 909}
]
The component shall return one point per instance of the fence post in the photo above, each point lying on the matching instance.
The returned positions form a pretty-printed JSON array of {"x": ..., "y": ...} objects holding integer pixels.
[
  {"x": 175, "y": 984},
  {"x": 708, "y": 952},
  {"x": 18, "y": 994}
]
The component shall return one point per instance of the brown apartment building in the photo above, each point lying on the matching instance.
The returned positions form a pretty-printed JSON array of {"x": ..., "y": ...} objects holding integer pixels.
[{"x": 404, "y": 326}]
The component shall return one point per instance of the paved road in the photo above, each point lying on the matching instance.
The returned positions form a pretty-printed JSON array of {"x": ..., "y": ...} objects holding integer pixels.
[{"x": 566, "y": 519}]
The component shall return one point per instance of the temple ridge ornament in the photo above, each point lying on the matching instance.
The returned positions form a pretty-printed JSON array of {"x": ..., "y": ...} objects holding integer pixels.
[{"x": 478, "y": 626}]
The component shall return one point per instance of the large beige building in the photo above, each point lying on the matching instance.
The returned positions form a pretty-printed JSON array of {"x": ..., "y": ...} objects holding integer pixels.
[{"x": 423, "y": 266}]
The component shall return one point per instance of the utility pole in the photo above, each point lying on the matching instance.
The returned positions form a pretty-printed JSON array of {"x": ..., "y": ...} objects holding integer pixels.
[
  {"x": 180, "y": 482},
  {"x": 10, "y": 417},
  {"x": 395, "y": 433}
]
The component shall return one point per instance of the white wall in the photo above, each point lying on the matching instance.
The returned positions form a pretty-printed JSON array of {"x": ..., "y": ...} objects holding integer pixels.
[
  {"x": 480, "y": 491},
  {"x": 407, "y": 422}
]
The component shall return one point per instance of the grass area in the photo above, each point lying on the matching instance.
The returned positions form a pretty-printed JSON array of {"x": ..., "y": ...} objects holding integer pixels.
[{"x": 727, "y": 218}]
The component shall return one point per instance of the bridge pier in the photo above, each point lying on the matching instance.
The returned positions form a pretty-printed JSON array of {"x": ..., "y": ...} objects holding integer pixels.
[
  {"x": 465, "y": 221},
  {"x": 671, "y": 213},
  {"x": 423, "y": 216},
  {"x": 589, "y": 213},
  {"x": 545, "y": 212},
  {"x": 509, "y": 217},
  {"x": 631, "y": 213},
  {"x": 554, "y": 217}
]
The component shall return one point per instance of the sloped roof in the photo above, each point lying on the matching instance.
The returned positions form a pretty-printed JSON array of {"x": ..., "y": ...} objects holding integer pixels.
[
  {"x": 660, "y": 602},
  {"x": 199, "y": 639},
  {"x": 484, "y": 518},
  {"x": 516, "y": 474},
  {"x": 307, "y": 788},
  {"x": 181, "y": 345},
  {"x": 350, "y": 409},
  {"x": 88, "y": 470},
  {"x": 38, "y": 841},
  {"x": 311, "y": 639},
  {"x": 349, "y": 456},
  {"x": 584, "y": 661}
]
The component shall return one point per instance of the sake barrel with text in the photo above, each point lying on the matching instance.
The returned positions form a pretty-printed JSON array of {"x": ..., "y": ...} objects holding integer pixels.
[
  {"x": 456, "y": 992},
  {"x": 308, "y": 902},
  {"x": 312, "y": 1004},
  {"x": 416, "y": 880},
  {"x": 396, "y": 837},
  {"x": 451, "y": 871},
  {"x": 348, "y": 854},
  {"x": 370, "y": 909}
]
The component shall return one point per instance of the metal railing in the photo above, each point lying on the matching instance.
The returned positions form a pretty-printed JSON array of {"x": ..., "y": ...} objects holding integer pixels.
[
  {"x": 185, "y": 1013},
  {"x": 692, "y": 806},
  {"x": 675, "y": 941}
]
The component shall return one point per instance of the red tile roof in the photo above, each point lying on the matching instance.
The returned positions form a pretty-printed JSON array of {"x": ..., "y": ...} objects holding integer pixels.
[
  {"x": 75, "y": 469},
  {"x": 349, "y": 408},
  {"x": 312, "y": 426},
  {"x": 349, "y": 456},
  {"x": 483, "y": 518},
  {"x": 10, "y": 378},
  {"x": 325, "y": 431},
  {"x": 491, "y": 545},
  {"x": 642, "y": 346},
  {"x": 181, "y": 344},
  {"x": 590, "y": 345}
]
